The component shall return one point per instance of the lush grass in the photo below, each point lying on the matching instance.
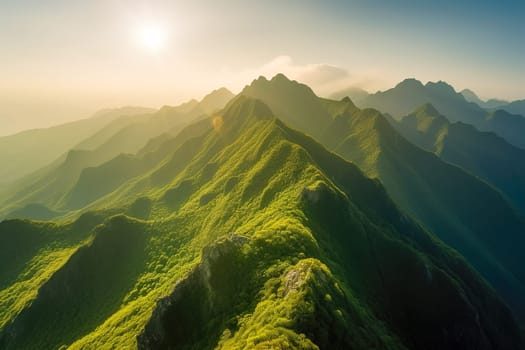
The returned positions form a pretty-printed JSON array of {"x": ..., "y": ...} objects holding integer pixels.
[
  {"x": 269, "y": 240},
  {"x": 463, "y": 210}
]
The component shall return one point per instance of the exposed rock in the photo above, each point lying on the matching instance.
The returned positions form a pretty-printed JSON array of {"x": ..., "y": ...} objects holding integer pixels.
[{"x": 208, "y": 290}]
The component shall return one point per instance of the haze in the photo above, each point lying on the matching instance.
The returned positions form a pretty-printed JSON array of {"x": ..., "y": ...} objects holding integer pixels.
[{"x": 63, "y": 60}]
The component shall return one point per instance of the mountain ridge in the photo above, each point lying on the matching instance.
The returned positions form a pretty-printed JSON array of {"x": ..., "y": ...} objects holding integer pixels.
[
  {"x": 409, "y": 94},
  {"x": 242, "y": 232}
]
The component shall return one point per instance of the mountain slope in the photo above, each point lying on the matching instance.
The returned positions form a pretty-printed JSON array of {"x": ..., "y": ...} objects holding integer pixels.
[
  {"x": 307, "y": 113},
  {"x": 459, "y": 208},
  {"x": 127, "y": 134},
  {"x": 483, "y": 154},
  {"x": 471, "y": 96},
  {"x": 299, "y": 250},
  {"x": 516, "y": 107},
  {"x": 27, "y": 151},
  {"x": 410, "y": 94}
]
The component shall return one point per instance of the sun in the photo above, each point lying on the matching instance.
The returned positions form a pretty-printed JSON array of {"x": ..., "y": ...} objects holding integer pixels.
[{"x": 152, "y": 37}]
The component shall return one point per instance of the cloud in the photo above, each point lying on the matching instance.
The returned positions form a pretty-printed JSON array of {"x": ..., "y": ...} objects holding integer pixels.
[{"x": 323, "y": 78}]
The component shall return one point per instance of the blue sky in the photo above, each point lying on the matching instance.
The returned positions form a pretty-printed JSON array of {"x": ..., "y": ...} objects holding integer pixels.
[{"x": 62, "y": 60}]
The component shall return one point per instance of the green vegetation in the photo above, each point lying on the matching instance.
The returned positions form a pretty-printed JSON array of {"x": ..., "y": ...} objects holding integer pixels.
[
  {"x": 241, "y": 233},
  {"x": 465, "y": 212},
  {"x": 481, "y": 153},
  {"x": 127, "y": 133}
]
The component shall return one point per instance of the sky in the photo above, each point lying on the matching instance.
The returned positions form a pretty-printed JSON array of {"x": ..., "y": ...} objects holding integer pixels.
[{"x": 62, "y": 60}]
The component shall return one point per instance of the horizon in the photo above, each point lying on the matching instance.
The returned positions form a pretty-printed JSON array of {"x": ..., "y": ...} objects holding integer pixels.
[{"x": 64, "y": 61}]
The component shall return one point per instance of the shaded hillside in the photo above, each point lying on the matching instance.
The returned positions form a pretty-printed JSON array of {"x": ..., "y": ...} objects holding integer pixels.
[
  {"x": 466, "y": 213},
  {"x": 481, "y": 153},
  {"x": 411, "y": 93},
  {"x": 262, "y": 238},
  {"x": 516, "y": 107}
]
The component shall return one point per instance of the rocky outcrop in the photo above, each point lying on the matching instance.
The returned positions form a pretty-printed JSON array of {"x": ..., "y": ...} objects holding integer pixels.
[{"x": 209, "y": 290}]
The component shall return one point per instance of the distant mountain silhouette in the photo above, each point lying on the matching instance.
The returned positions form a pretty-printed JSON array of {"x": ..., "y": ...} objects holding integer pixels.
[
  {"x": 411, "y": 93},
  {"x": 126, "y": 134},
  {"x": 27, "y": 151},
  {"x": 471, "y": 96},
  {"x": 516, "y": 107}
]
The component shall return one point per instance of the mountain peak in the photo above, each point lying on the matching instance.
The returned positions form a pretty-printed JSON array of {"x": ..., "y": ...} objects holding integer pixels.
[
  {"x": 410, "y": 83},
  {"x": 216, "y": 100},
  {"x": 470, "y": 95},
  {"x": 244, "y": 106},
  {"x": 218, "y": 92},
  {"x": 279, "y": 81},
  {"x": 280, "y": 77},
  {"x": 441, "y": 86}
]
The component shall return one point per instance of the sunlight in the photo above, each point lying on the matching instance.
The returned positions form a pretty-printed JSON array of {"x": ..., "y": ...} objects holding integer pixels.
[{"x": 152, "y": 37}]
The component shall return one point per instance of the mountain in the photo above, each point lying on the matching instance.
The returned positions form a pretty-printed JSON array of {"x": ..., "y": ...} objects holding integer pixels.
[
  {"x": 471, "y": 96},
  {"x": 124, "y": 135},
  {"x": 251, "y": 235},
  {"x": 27, "y": 151},
  {"x": 291, "y": 100},
  {"x": 216, "y": 100},
  {"x": 516, "y": 107},
  {"x": 483, "y": 154},
  {"x": 137, "y": 130},
  {"x": 462, "y": 210},
  {"x": 354, "y": 93},
  {"x": 411, "y": 93}
]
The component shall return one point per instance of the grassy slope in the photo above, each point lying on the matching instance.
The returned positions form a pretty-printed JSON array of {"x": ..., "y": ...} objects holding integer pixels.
[
  {"x": 326, "y": 260},
  {"x": 483, "y": 154},
  {"x": 462, "y": 210},
  {"x": 127, "y": 134}
]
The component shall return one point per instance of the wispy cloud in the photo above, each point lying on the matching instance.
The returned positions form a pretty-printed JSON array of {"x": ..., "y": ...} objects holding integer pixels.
[{"x": 323, "y": 78}]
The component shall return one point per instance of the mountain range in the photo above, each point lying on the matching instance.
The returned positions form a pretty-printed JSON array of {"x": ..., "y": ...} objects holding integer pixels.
[
  {"x": 122, "y": 137},
  {"x": 270, "y": 219},
  {"x": 28, "y": 151},
  {"x": 493, "y": 103},
  {"x": 483, "y": 154},
  {"x": 411, "y": 93},
  {"x": 446, "y": 199}
]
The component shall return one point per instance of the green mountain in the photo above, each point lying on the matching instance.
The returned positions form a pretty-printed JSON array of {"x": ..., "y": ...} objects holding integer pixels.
[
  {"x": 125, "y": 135},
  {"x": 250, "y": 235},
  {"x": 483, "y": 154},
  {"x": 291, "y": 101},
  {"x": 465, "y": 212},
  {"x": 410, "y": 94},
  {"x": 27, "y": 151}
]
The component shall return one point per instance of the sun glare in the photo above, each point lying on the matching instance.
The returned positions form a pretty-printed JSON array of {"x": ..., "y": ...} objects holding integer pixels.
[{"x": 152, "y": 37}]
